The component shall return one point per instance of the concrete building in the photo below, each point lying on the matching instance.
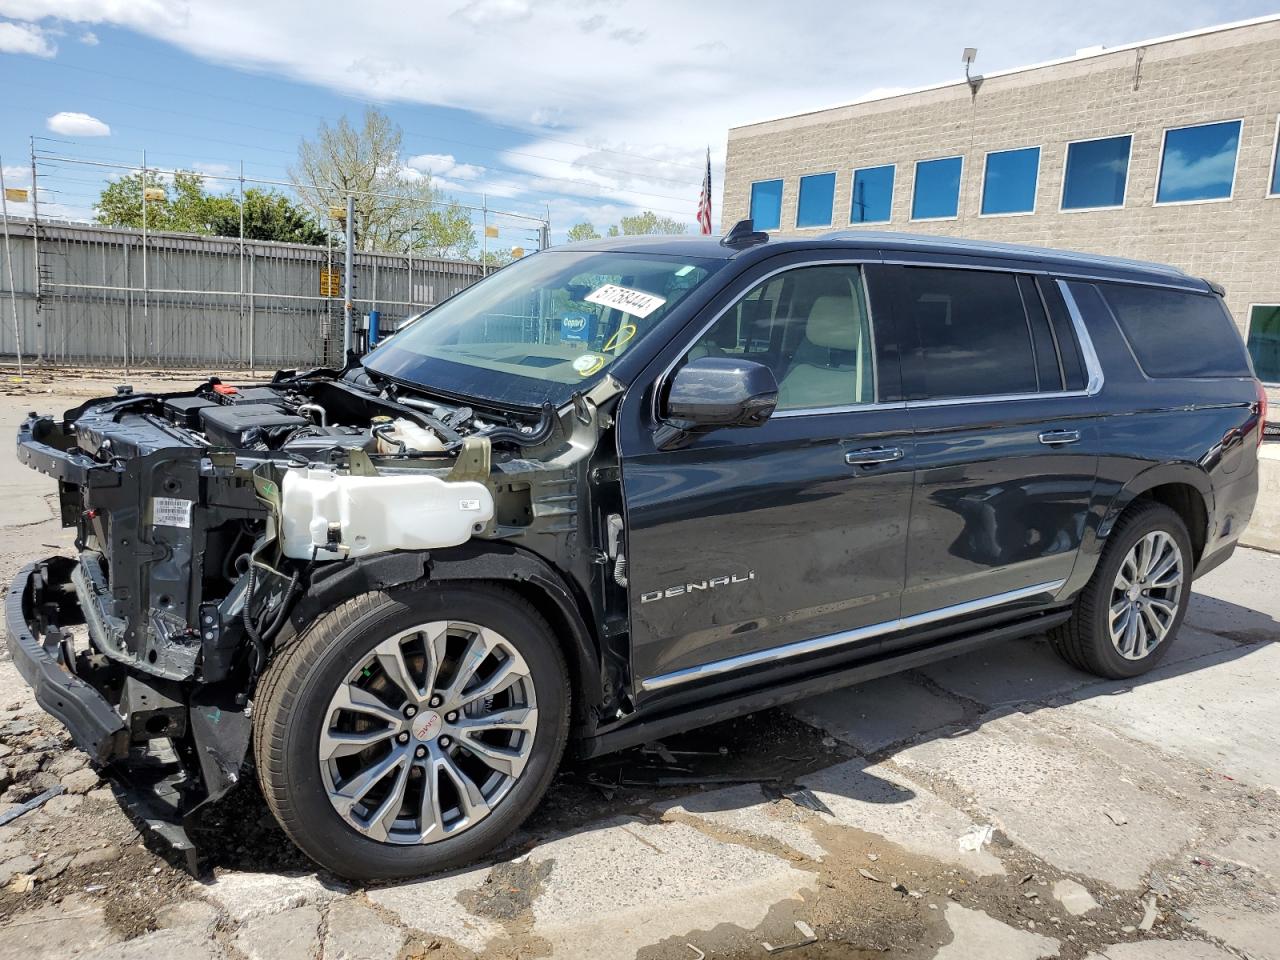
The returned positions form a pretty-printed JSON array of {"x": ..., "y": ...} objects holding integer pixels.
[{"x": 1162, "y": 150}]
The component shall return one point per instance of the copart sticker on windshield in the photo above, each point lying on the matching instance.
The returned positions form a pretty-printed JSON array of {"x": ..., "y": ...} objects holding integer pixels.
[{"x": 635, "y": 302}]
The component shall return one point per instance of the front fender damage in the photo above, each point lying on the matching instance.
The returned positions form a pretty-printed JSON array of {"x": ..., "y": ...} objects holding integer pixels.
[{"x": 196, "y": 565}]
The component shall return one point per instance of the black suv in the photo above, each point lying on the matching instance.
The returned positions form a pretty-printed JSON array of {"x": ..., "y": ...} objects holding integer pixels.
[{"x": 617, "y": 490}]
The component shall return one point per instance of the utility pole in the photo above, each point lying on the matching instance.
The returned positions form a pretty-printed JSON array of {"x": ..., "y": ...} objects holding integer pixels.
[
  {"x": 146, "y": 298},
  {"x": 35, "y": 245},
  {"x": 8, "y": 259},
  {"x": 484, "y": 241},
  {"x": 348, "y": 309},
  {"x": 242, "y": 306}
]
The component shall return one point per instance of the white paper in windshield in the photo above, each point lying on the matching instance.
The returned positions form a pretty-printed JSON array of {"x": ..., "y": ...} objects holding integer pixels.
[{"x": 635, "y": 302}]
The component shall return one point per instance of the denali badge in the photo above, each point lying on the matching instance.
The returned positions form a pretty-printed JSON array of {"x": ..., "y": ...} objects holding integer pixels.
[{"x": 690, "y": 587}]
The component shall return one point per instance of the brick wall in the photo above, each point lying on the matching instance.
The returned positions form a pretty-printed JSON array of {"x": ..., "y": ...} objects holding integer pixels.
[{"x": 1223, "y": 75}]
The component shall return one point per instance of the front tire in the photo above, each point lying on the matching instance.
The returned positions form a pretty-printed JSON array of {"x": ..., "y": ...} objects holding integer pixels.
[
  {"x": 411, "y": 731},
  {"x": 1129, "y": 613}
]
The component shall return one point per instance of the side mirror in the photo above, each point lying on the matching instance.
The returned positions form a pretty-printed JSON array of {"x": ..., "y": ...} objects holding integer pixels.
[{"x": 713, "y": 392}]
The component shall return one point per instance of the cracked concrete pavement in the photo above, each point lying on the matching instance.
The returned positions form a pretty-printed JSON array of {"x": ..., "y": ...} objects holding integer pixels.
[{"x": 996, "y": 805}]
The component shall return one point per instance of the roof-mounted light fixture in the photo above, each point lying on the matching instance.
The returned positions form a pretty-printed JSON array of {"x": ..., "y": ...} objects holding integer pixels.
[{"x": 971, "y": 54}]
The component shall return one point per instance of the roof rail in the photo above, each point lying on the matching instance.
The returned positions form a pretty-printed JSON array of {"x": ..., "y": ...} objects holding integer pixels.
[{"x": 995, "y": 248}]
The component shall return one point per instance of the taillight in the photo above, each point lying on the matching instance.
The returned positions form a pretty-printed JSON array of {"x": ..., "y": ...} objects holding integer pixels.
[{"x": 1262, "y": 411}]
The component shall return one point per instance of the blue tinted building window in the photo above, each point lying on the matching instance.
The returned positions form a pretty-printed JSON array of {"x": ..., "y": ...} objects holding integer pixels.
[
  {"x": 1096, "y": 173},
  {"x": 872, "y": 195},
  {"x": 1275, "y": 164},
  {"x": 1264, "y": 342},
  {"x": 937, "y": 189},
  {"x": 817, "y": 195},
  {"x": 1009, "y": 181},
  {"x": 1198, "y": 163},
  {"x": 766, "y": 204}
]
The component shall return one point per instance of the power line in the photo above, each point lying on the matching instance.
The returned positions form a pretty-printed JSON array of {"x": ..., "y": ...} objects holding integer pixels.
[
  {"x": 549, "y": 178},
  {"x": 368, "y": 103}
]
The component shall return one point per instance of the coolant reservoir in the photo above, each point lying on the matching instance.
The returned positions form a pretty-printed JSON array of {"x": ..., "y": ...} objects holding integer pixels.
[
  {"x": 376, "y": 514},
  {"x": 413, "y": 436}
]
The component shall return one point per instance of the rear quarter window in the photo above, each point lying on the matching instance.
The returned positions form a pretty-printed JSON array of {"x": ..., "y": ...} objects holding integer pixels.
[{"x": 1177, "y": 334}]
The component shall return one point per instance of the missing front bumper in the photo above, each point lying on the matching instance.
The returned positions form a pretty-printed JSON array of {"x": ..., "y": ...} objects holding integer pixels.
[
  {"x": 41, "y": 601},
  {"x": 162, "y": 780}
]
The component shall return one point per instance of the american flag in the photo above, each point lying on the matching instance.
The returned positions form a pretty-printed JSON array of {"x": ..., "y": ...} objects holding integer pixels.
[{"x": 704, "y": 201}]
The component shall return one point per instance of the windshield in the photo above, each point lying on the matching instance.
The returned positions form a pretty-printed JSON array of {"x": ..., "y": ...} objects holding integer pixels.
[{"x": 542, "y": 328}]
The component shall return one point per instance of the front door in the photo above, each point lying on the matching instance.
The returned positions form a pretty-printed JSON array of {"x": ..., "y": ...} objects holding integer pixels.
[{"x": 752, "y": 539}]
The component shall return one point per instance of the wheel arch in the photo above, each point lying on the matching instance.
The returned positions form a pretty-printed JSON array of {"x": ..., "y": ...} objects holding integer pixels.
[
  {"x": 1181, "y": 487},
  {"x": 529, "y": 575}
]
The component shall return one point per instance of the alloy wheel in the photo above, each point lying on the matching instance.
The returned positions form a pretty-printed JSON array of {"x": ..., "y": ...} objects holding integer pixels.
[
  {"x": 1145, "y": 595},
  {"x": 429, "y": 732}
]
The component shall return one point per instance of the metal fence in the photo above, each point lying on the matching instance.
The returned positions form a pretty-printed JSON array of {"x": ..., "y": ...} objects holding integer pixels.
[{"x": 94, "y": 295}]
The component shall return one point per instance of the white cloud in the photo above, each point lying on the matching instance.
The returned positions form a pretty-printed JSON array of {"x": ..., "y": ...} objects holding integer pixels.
[
  {"x": 214, "y": 169},
  {"x": 25, "y": 38},
  {"x": 1199, "y": 174},
  {"x": 658, "y": 81},
  {"x": 444, "y": 165},
  {"x": 483, "y": 12},
  {"x": 89, "y": 38},
  {"x": 77, "y": 125}
]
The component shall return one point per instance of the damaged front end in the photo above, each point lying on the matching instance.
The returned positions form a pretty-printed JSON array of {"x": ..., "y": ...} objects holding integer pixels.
[{"x": 204, "y": 518}]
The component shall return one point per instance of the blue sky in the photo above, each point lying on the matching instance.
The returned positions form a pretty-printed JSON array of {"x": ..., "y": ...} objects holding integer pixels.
[{"x": 593, "y": 108}]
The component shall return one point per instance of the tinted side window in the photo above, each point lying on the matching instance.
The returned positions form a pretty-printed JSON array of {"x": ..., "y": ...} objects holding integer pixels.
[
  {"x": 1064, "y": 333},
  {"x": 1176, "y": 334},
  {"x": 812, "y": 327},
  {"x": 972, "y": 332}
]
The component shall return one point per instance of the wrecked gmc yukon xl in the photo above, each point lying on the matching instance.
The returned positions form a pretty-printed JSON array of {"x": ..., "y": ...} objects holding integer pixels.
[{"x": 617, "y": 490}]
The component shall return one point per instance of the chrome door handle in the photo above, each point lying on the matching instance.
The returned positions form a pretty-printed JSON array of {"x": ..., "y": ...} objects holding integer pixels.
[
  {"x": 1054, "y": 438},
  {"x": 872, "y": 455}
]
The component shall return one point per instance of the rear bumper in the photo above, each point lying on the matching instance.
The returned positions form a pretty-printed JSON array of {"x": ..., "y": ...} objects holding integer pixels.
[{"x": 36, "y": 595}]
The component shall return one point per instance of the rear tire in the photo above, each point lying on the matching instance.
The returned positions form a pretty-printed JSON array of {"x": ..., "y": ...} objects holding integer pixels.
[
  {"x": 362, "y": 771},
  {"x": 1128, "y": 615}
]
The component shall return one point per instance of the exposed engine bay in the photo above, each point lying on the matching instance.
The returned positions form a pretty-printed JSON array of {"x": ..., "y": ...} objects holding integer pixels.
[{"x": 213, "y": 523}]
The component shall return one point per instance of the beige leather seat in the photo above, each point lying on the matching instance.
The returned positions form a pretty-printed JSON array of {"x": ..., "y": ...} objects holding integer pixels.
[{"x": 830, "y": 363}]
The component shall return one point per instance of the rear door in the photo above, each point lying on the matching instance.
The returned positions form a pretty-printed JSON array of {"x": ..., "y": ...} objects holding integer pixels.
[
  {"x": 1006, "y": 437},
  {"x": 750, "y": 542}
]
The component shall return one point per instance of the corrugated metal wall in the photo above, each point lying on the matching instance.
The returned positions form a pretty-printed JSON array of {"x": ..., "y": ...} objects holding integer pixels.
[{"x": 99, "y": 295}]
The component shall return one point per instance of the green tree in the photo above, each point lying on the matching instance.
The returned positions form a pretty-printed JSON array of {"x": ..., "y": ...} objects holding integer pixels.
[
  {"x": 494, "y": 259},
  {"x": 268, "y": 215},
  {"x": 177, "y": 205},
  {"x": 445, "y": 231},
  {"x": 647, "y": 222},
  {"x": 181, "y": 205},
  {"x": 396, "y": 209},
  {"x": 583, "y": 231}
]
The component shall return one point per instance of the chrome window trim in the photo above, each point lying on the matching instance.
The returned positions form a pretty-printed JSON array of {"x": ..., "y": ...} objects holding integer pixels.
[
  {"x": 1038, "y": 271},
  {"x": 831, "y": 641},
  {"x": 1093, "y": 367},
  {"x": 843, "y": 408},
  {"x": 1091, "y": 362},
  {"x": 661, "y": 381}
]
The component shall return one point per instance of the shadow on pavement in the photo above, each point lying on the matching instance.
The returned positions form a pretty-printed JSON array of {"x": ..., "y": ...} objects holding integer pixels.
[{"x": 766, "y": 753}]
